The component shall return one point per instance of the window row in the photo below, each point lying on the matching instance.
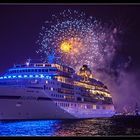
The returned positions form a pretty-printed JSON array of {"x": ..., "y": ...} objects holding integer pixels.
[
  {"x": 58, "y": 90},
  {"x": 57, "y": 95},
  {"x": 31, "y": 70},
  {"x": 83, "y": 106},
  {"x": 63, "y": 104},
  {"x": 25, "y": 76}
]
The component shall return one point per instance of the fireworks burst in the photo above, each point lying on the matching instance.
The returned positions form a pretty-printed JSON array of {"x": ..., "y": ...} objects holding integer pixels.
[{"x": 78, "y": 39}]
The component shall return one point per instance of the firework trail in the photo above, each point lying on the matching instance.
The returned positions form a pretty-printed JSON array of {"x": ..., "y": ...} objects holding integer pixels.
[{"x": 78, "y": 39}]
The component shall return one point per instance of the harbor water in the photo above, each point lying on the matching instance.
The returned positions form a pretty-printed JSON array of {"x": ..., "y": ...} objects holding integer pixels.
[{"x": 87, "y": 127}]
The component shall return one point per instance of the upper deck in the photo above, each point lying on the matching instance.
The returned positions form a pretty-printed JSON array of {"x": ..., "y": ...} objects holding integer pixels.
[
  {"x": 36, "y": 70},
  {"x": 47, "y": 71},
  {"x": 40, "y": 67}
]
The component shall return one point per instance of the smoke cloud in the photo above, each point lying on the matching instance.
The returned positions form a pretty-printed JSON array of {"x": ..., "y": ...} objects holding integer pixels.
[{"x": 124, "y": 88}]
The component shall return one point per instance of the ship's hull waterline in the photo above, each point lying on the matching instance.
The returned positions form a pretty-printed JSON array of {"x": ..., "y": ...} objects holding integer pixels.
[{"x": 38, "y": 109}]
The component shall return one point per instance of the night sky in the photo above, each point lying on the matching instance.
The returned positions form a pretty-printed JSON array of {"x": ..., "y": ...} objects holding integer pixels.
[{"x": 20, "y": 26}]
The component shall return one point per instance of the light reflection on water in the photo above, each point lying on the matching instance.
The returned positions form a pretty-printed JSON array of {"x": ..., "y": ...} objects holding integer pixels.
[
  {"x": 28, "y": 128},
  {"x": 89, "y": 127}
]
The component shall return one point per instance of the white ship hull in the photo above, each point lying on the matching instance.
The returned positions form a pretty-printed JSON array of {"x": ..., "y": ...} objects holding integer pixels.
[
  {"x": 9, "y": 109},
  {"x": 46, "y": 108}
]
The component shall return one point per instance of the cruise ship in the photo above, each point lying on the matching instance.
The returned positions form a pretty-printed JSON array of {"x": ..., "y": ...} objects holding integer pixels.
[{"x": 40, "y": 90}]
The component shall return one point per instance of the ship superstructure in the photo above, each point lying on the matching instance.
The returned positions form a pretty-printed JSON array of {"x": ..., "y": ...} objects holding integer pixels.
[{"x": 52, "y": 91}]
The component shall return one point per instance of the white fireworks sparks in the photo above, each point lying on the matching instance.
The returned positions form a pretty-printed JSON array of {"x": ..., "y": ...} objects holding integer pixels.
[{"x": 88, "y": 40}]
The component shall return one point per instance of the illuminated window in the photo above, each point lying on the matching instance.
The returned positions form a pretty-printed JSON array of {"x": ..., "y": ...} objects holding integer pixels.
[
  {"x": 30, "y": 76},
  {"x": 36, "y": 76},
  {"x": 94, "y": 106},
  {"x": 25, "y": 76},
  {"x": 41, "y": 75},
  {"x": 19, "y": 76},
  {"x": 51, "y": 89}
]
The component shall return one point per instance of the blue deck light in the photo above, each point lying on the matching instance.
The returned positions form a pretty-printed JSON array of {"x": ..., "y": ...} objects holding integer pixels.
[
  {"x": 25, "y": 76},
  {"x": 41, "y": 75},
  {"x": 36, "y": 76},
  {"x": 48, "y": 77},
  {"x": 30, "y": 76},
  {"x": 19, "y": 76}
]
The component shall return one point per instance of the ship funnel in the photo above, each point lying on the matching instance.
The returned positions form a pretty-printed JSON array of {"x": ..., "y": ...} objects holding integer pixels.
[{"x": 85, "y": 72}]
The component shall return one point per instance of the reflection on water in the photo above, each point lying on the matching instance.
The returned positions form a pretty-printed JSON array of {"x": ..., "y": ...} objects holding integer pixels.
[
  {"x": 28, "y": 128},
  {"x": 90, "y": 127}
]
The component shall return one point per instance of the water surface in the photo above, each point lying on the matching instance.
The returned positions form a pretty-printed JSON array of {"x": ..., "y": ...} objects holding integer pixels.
[{"x": 89, "y": 127}]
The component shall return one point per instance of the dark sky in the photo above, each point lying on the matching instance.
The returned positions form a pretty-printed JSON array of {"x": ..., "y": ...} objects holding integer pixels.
[{"x": 20, "y": 26}]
